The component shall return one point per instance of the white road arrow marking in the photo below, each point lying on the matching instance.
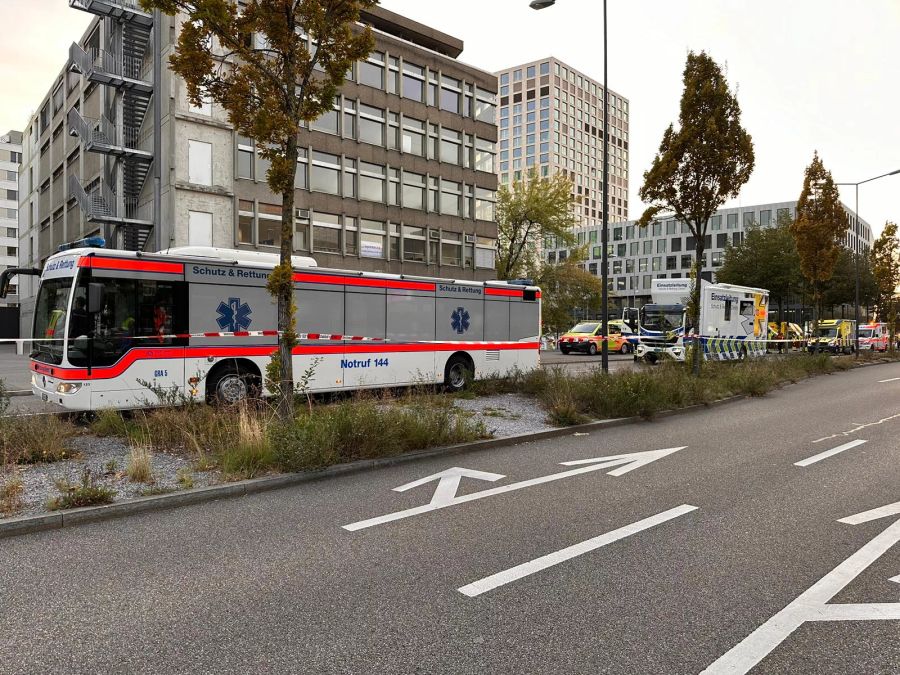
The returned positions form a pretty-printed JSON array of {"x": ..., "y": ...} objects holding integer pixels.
[
  {"x": 476, "y": 588},
  {"x": 890, "y": 379},
  {"x": 873, "y": 514},
  {"x": 895, "y": 579},
  {"x": 448, "y": 482},
  {"x": 829, "y": 453},
  {"x": 813, "y": 605},
  {"x": 642, "y": 458},
  {"x": 630, "y": 462}
]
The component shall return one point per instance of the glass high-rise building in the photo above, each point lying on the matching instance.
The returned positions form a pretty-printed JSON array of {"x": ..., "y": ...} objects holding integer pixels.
[{"x": 550, "y": 119}]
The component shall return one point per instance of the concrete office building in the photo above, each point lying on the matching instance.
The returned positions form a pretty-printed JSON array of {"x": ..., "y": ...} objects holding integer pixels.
[
  {"x": 665, "y": 248},
  {"x": 550, "y": 120},
  {"x": 10, "y": 158},
  {"x": 398, "y": 178}
]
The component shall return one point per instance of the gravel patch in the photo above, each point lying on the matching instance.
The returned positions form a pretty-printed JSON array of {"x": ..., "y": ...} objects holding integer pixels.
[
  {"x": 506, "y": 414},
  {"x": 107, "y": 459}
]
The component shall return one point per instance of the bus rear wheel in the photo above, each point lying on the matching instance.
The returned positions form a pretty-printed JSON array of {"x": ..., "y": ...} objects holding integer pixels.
[{"x": 458, "y": 373}]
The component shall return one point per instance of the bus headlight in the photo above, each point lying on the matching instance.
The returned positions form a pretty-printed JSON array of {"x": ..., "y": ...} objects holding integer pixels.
[{"x": 68, "y": 387}]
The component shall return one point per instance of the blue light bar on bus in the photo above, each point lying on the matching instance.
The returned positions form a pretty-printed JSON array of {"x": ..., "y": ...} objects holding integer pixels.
[{"x": 87, "y": 242}]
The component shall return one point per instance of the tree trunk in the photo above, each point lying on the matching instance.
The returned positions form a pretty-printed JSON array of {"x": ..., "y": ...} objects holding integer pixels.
[
  {"x": 699, "y": 253},
  {"x": 285, "y": 293}
]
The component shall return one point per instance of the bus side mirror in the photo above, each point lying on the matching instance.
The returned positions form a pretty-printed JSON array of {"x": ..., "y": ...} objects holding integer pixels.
[{"x": 96, "y": 296}]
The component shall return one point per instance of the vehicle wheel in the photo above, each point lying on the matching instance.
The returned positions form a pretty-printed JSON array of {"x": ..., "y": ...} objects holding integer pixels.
[
  {"x": 592, "y": 349},
  {"x": 231, "y": 387},
  {"x": 457, "y": 374},
  {"x": 564, "y": 350},
  {"x": 626, "y": 348},
  {"x": 651, "y": 358}
]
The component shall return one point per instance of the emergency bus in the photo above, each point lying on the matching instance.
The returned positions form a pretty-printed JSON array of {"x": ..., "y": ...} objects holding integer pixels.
[
  {"x": 733, "y": 321},
  {"x": 112, "y": 328}
]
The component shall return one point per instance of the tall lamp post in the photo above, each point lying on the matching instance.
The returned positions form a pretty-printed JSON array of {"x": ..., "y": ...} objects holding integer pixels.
[
  {"x": 856, "y": 254},
  {"x": 604, "y": 236}
]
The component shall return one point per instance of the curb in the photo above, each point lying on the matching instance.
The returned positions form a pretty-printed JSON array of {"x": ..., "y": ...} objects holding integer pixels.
[
  {"x": 19, "y": 392},
  {"x": 88, "y": 514}
]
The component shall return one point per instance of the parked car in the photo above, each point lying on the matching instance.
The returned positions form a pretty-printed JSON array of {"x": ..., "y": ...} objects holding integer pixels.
[{"x": 587, "y": 337}]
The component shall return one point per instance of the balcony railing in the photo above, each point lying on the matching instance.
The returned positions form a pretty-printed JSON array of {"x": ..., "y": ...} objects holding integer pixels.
[
  {"x": 100, "y": 204},
  {"x": 100, "y": 65},
  {"x": 128, "y": 10}
]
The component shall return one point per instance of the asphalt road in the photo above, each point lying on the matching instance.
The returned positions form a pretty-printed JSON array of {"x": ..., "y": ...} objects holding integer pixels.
[{"x": 664, "y": 568}]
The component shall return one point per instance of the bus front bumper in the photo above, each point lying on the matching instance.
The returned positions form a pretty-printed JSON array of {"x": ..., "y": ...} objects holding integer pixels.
[{"x": 66, "y": 393}]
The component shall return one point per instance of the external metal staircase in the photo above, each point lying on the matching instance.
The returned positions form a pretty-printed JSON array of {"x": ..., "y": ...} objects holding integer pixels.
[{"x": 119, "y": 132}]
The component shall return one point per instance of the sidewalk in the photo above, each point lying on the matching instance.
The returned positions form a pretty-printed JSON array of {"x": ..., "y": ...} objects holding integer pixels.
[{"x": 14, "y": 370}]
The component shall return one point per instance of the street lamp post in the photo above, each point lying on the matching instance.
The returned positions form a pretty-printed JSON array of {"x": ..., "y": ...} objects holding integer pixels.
[
  {"x": 604, "y": 233},
  {"x": 856, "y": 253}
]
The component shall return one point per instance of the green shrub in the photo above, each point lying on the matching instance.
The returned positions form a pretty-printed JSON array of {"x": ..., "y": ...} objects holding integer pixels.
[
  {"x": 109, "y": 422},
  {"x": 87, "y": 492},
  {"x": 364, "y": 428}
]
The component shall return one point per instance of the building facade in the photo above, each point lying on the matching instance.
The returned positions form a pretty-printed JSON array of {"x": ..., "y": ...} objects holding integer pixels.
[
  {"x": 10, "y": 159},
  {"x": 399, "y": 177},
  {"x": 550, "y": 120},
  {"x": 665, "y": 248}
]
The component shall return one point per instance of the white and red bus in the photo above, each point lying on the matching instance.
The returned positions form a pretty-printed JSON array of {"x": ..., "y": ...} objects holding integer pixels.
[{"x": 112, "y": 328}]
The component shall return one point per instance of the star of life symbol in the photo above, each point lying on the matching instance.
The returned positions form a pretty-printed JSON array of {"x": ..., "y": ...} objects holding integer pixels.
[
  {"x": 459, "y": 320},
  {"x": 234, "y": 316}
]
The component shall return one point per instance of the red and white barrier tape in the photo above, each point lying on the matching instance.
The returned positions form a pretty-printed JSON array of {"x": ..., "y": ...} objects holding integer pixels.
[{"x": 335, "y": 337}]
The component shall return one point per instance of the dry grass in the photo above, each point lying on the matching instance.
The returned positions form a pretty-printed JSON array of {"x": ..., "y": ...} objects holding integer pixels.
[
  {"x": 11, "y": 491},
  {"x": 139, "y": 466},
  {"x": 29, "y": 439},
  {"x": 87, "y": 492}
]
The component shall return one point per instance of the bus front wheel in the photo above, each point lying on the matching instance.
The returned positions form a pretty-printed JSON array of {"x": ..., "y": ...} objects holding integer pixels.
[{"x": 458, "y": 373}]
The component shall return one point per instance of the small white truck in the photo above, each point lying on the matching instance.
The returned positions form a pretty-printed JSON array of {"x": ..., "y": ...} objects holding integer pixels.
[{"x": 733, "y": 321}]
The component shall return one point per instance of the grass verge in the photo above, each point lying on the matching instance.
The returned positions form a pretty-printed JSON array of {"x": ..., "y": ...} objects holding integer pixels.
[
  {"x": 29, "y": 439},
  {"x": 86, "y": 492}
]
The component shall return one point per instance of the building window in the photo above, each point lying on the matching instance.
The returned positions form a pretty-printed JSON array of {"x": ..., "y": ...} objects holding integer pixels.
[
  {"x": 451, "y": 198},
  {"x": 269, "y": 224},
  {"x": 371, "y": 182},
  {"x": 484, "y": 204},
  {"x": 327, "y": 122},
  {"x": 371, "y": 125},
  {"x": 413, "y": 140},
  {"x": 413, "y": 190},
  {"x": 732, "y": 221},
  {"x": 765, "y": 218},
  {"x": 326, "y": 173},
  {"x": 371, "y": 71},
  {"x": 349, "y": 129},
  {"x": 716, "y": 223},
  {"x": 484, "y": 105},
  {"x": 451, "y": 249},
  {"x": 349, "y": 189},
  {"x": 301, "y": 178},
  {"x": 413, "y": 82},
  {"x": 245, "y": 222},
  {"x": 414, "y": 243},
  {"x": 200, "y": 228},
  {"x": 371, "y": 238},
  {"x": 485, "y": 251},
  {"x": 327, "y": 235},
  {"x": 660, "y": 245},
  {"x": 199, "y": 162},
  {"x": 244, "y": 157},
  {"x": 749, "y": 218},
  {"x": 783, "y": 214},
  {"x": 451, "y": 94},
  {"x": 451, "y": 146}
]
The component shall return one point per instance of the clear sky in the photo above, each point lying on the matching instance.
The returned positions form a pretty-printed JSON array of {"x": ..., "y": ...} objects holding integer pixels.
[{"x": 810, "y": 74}]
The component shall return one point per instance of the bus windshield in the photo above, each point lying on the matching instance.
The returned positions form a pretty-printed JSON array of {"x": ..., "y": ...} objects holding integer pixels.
[
  {"x": 50, "y": 319},
  {"x": 585, "y": 328},
  {"x": 661, "y": 318}
]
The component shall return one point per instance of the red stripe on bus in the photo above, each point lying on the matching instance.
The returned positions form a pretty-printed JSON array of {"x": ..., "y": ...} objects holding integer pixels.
[
  {"x": 130, "y": 265},
  {"x": 306, "y": 278},
  {"x": 144, "y": 354},
  {"x": 508, "y": 292}
]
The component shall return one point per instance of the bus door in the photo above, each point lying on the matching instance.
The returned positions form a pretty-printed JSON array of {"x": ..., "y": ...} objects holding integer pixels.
[{"x": 132, "y": 361}]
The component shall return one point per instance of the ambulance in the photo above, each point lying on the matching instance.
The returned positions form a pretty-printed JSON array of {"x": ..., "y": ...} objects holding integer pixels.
[
  {"x": 834, "y": 336},
  {"x": 874, "y": 337}
]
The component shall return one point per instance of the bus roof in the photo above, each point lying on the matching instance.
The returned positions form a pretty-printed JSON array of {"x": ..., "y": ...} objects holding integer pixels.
[{"x": 226, "y": 256}]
